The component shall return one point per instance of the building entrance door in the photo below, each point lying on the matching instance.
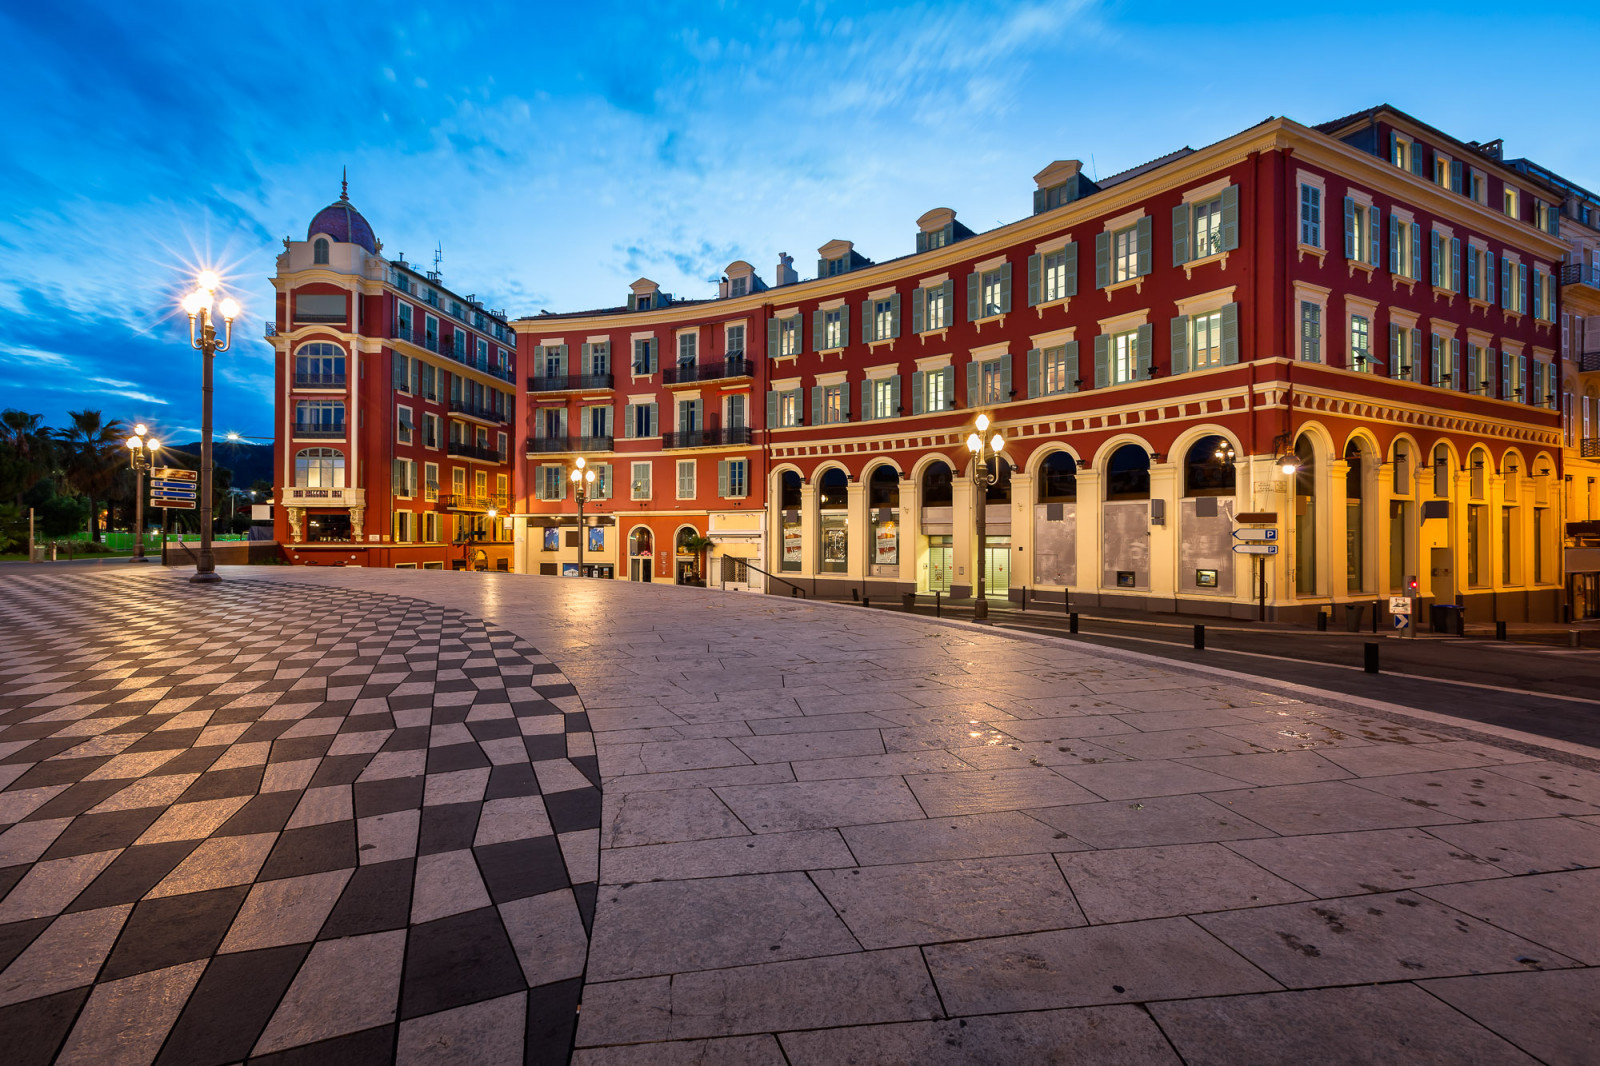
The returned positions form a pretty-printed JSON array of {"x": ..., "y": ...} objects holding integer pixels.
[
  {"x": 639, "y": 568},
  {"x": 939, "y": 552},
  {"x": 1444, "y": 578},
  {"x": 997, "y": 567}
]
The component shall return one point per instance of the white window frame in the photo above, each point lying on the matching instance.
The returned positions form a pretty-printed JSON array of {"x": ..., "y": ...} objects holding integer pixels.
[
  {"x": 1122, "y": 357},
  {"x": 933, "y": 299},
  {"x": 789, "y": 335},
  {"x": 639, "y": 481},
  {"x": 881, "y": 396},
  {"x": 1124, "y": 263},
  {"x": 404, "y": 429},
  {"x": 685, "y": 471}
]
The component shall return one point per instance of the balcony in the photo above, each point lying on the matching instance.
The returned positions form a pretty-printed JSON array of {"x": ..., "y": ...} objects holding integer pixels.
[
  {"x": 1589, "y": 447},
  {"x": 1580, "y": 274},
  {"x": 706, "y": 438},
  {"x": 687, "y": 373},
  {"x": 458, "y": 502},
  {"x": 324, "y": 497},
  {"x": 319, "y": 381},
  {"x": 320, "y": 430},
  {"x": 485, "y": 414},
  {"x": 1588, "y": 361},
  {"x": 568, "y": 382},
  {"x": 561, "y": 445},
  {"x": 481, "y": 452},
  {"x": 429, "y": 341}
]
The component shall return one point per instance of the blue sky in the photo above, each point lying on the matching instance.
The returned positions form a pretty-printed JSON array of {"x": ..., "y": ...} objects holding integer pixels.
[{"x": 558, "y": 152}]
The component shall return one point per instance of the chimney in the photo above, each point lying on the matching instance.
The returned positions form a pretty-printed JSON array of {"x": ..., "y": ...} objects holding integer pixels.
[{"x": 787, "y": 275}]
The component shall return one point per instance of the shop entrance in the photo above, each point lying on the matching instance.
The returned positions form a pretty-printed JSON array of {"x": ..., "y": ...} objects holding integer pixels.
[
  {"x": 939, "y": 553},
  {"x": 997, "y": 567},
  {"x": 331, "y": 526}
]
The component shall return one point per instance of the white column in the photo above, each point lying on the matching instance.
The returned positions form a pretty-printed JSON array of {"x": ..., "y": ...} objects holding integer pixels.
[
  {"x": 1022, "y": 497},
  {"x": 964, "y": 539},
  {"x": 1091, "y": 519},
  {"x": 1164, "y": 485}
]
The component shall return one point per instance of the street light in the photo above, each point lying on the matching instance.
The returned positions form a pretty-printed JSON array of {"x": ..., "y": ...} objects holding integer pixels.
[
  {"x": 204, "y": 340},
  {"x": 982, "y": 451},
  {"x": 582, "y": 479},
  {"x": 141, "y": 453}
]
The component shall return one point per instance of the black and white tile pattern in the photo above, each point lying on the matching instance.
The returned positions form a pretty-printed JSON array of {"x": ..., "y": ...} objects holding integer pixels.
[{"x": 278, "y": 823}]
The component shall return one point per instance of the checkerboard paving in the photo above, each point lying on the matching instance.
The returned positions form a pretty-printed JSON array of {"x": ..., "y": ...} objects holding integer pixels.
[{"x": 278, "y": 823}]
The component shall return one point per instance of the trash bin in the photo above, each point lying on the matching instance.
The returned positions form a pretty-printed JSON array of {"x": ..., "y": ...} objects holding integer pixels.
[
  {"x": 1447, "y": 617},
  {"x": 1352, "y": 618},
  {"x": 910, "y": 600}
]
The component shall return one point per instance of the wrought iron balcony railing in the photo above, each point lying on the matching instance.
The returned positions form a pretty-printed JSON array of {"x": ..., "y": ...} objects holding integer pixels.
[
  {"x": 706, "y": 438},
  {"x": 684, "y": 373},
  {"x": 475, "y": 451},
  {"x": 568, "y": 382}
]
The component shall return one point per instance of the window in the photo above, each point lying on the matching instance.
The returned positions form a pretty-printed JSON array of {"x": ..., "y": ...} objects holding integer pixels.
[
  {"x": 992, "y": 379},
  {"x": 597, "y": 422},
  {"x": 1053, "y": 275},
  {"x": 1479, "y": 187},
  {"x": 1310, "y": 332},
  {"x": 834, "y": 267},
  {"x": 883, "y": 397},
  {"x": 1207, "y": 350},
  {"x": 1361, "y": 227},
  {"x": 642, "y": 302},
  {"x": 319, "y": 416},
  {"x": 685, "y": 479},
  {"x": 1405, "y": 153},
  {"x": 319, "y": 364},
  {"x": 1445, "y": 261},
  {"x": 1511, "y": 202},
  {"x": 602, "y": 482},
  {"x": 1404, "y": 344},
  {"x": 884, "y": 319},
  {"x": 789, "y": 335},
  {"x": 733, "y": 479},
  {"x": 738, "y": 286},
  {"x": 1057, "y": 370},
  {"x": 1444, "y": 361},
  {"x": 735, "y": 341},
  {"x": 1207, "y": 228},
  {"x": 738, "y": 414},
  {"x": 404, "y": 482},
  {"x": 688, "y": 347},
  {"x": 784, "y": 408},
  {"x": 430, "y": 381},
  {"x": 644, "y": 355},
  {"x": 600, "y": 358},
  {"x": 639, "y": 481},
  {"x": 833, "y": 329},
  {"x": 828, "y": 404},
  {"x": 641, "y": 420},
  {"x": 430, "y": 332},
  {"x": 992, "y": 297},
  {"x": 1361, "y": 343},
  {"x": 430, "y": 527},
  {"x": 1311, "y": 216},
  {"x": 1405, "y": 248},
  {"x": 1124, "y": 357},
  {"x": 552, "y": 483},
  {"x": 1124, "y": 254},
  {"x": 1203, "y": 228},
  {"x": 689, "y": 412},
  {"x": 1480, "y": 274},
  {"x": 319, "y": 251},
  {"x": 319, "y": 468},
  {"x": 403, "y": 527},
  {"x": 936, "y": 396},
  {"x": 934, "y": 307},
  {"x": 402, "y": 425}
]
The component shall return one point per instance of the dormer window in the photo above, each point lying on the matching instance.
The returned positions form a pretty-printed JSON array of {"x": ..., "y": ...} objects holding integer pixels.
[
  {"x": 642, "y": 303},
  {"x": 319, "y": 251},
  {"x": 837, "y": 266},
  {"x": 644, "y": 295},
  {"x": 738, "y": 286}
]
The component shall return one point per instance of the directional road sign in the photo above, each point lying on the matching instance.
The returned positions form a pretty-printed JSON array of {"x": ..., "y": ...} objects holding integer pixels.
[
  {"x": 173, "y": 488},
  {"x": 1399, "y": 604},
  {"x": 1402, "y": 621},
  {"x": 173, "y": 473},
  {"x": 175, "y": 505},
  {"x": 1253, "y": 548},
  {"x": 1255, "y": 534}
]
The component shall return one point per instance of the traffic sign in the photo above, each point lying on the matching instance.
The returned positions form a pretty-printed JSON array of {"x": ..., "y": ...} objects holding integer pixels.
[
  {"x": 172, "y": 488},
  {"x": 174, "y": 505},
  {"x": 1402, "y": 621},
  {"x": 1255, "y": 534},
  {"x": 1251, "y": 548},
  {"x": 1257, "y": 518},
  {"x": 173, "y": 473},
  {"x": 1399, "y": 604}
]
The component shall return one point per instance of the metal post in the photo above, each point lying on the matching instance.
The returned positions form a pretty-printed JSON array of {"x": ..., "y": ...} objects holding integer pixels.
[
  {"x": 1072, "y": 622},
  {"x": 1261, "y": 588},
  {"x": 980, "y": 481},
  {"x": 1024, "y": 597},
  {"x": 1199, "y": 638},
  {"x": 1377, "y": 609},
  {"x": 138, "y": 511},
  {"x": 936, "y": 613},
  {"x": 1499, "y": 631},
  {"x": 31, "y": 559},
  {"x": 1322, "y": 621},
  {"x": 1066, "y": 601},
  {"x": 1371, "y": 663},
  {"x": 166, "y": 513},
  {"x": 581, "y": 530}
]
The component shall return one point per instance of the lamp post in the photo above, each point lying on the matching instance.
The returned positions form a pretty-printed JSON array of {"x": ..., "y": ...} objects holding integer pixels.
[
  {"x": 982, "y": 451},
  {"x": 141, "y": 453},
  {"x": 204, "y": 340},
  {"x": 582, "y": 479}
]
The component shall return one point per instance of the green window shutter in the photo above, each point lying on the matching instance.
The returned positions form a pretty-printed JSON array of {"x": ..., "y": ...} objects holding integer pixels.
[
  {"x": 816, "y": 405},
  {"x": 1416, "y": 251},
  {"x": 1230, "y": 218},
  {"x": 919, "y": 301},
  {"x": 1522, "y": 287},
  {"x": 655, "y": 354},
  {"x": 1070, "y": 257},
  {"x": 1033, "y": 279},
  {"x": 949, "y": 301},
  {"x": 1456, "y": 381},
  {"x": 398, "y": 374},
  {"x": 1230, "y": 333},
  {"x": 627, "y": 422},
  {"x": 655, "y": 419},
  {"x": 894, "y": 397},
  {"x": 1418, "y": 154},
  {"x": 1393, "y": 146},
  {"x": 1005, "y": 379},
  {"x": 816, "y": 330},
  {"x": 1143, "y": 231},
  {"x": 1102, "y": 260},
  {"x": 1147, "y": 349},
  {"x": 1455, "y": 264},
  {"x": 699, "y": 414},
  {"x": 1040, "y": 201},
  {"x": 1434, "y": 262},
  {"x": 1435, "y": 370},
  {"x": 949, "y": 373},
  {"x": 844, "y": 325},
  {"x": 1005, "y": 287},
  {"x": 772, "y": 409},
  {"x": 1102, "y": 361},
  {"x": 1349, "y": 228},
  {"x": 1180, "y": 235},
  {"x": 584, "y": 351},
  {"x": 972, "y": 384},
  {"x": 1506, "y": 296},
  {"x": 1374, "y": 235},
  {"x": 1538, "y": 294},
  {"x": 822, "y": 268},
  {"x": 864, "y": 399},
  {"x": 973, "y": 282},
  {"x": 1071, "y": 357},
  {"x": 867, "y": 321},
  {"x": 1035, "y": 384},
  {"x": 1394, "y": 351},
  {"x": 722, "y": 478},
  {"x": 919, "y": 395},
  {"x": 1394, "y": 244},
  {"x": 922, "y": 241},
  {"x": 1180, "y": 344},
  {"x": 772, "y": 337},
  {"x": 1416, "y": 353},
  {"x": 894, "y": 315},
  {"x": 1455, "y": 175},
  {"x": 632, "y": 305}
]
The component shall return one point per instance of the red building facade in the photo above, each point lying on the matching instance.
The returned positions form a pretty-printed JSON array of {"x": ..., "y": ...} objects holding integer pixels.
[
  {"x": 395, "y": 405},
  {"x": 1369, "y": 297}
]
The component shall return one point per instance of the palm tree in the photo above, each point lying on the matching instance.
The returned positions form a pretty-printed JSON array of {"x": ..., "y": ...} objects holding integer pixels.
[
  {"x": 24, "y": 453},
  {"x": 93, "y": 455},
  {"x": 698, "y": 545}
]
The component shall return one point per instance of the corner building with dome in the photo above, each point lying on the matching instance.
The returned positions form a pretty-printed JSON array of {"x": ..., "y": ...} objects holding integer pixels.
[
  {"x": 1344, "y": 333},
  {"x": 395, "y": 403}
]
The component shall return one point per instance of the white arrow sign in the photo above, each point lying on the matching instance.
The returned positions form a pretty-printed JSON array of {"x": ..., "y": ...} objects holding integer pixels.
[
  {"x": 1255, "y": 549},
  {"x": 1255, "y": 534}
]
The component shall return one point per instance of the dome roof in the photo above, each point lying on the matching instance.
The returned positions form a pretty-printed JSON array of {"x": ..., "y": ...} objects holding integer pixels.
[{"x": 341, "y": 221}]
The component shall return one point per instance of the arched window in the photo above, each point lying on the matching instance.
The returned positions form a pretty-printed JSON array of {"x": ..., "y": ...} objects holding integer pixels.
[
  {"x": 1128, "y": 474},
  {"x": 883, "y": 487},
  {"x": 1305, "y": 523},
  {"x": 1355, "y": 524},
  {"x": 883, "y": 502},
  {"x": 833, "y": 490},
  {"x": 999, "y": 490},
  {"x": 319, "y": 365},
  {"x": 936, "y": 480},
  {"x": 1479, "y": 468},
  {"x": 319, "y": 251},
  {"x": 832, "y": 497},
  {"x": 789, "y": 527},
  {"x": 1209, "y": 468},
  {"x": 789, "y": 496},
  {"x": 319, "y": 468},
  {"x": 1441, "y": 470},
  {"x": 640, "y": 542},
  {"x": 1058, "y": 478}
]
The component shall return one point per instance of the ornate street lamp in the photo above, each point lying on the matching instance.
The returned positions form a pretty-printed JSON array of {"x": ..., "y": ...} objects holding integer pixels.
[
  {"x": 204, "y": 340},
  {"x": 141, "y": 453},
  {"x": 582, "y": 479},
  {"x": 982, "y": 451}
]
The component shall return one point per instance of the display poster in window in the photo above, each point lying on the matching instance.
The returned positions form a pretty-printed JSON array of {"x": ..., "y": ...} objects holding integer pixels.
[
  {"x": 886, "y": 544},
  {"x": 597, "y": 539},
  {"x": 834, "y": 545},
  {"x": 552, "y": 538},
  {"x": 791, "y": 542},
  {"x": 569, "y": 569}
]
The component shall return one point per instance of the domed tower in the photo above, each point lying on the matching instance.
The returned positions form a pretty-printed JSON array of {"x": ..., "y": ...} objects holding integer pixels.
[{"x": 341, "y": 222}]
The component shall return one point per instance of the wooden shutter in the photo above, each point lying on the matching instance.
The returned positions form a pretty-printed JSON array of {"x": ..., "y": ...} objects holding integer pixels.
[
  {"x": 1005, "y": 379},
  {"x": 1394, "y": 351},
  {"x": 1035, "y": 377},
  {"x": 1143, "y": 231},
  {"x": 1230, "y": 218},
  {"x": 844, "y": 325},
  {"x": 919, "y": 394},
  {"x": 772, "y": 337},
  {"x": 817, "y": 338},
  {"x": 949, "y": 373},
  {"x": 816, "y": 405},
  {"x": 867, "y": 322},
  {"x": 864, "y": 399},
  {"x": 1070, "y": 258},
  {"x": 949, "y": 301},
  {"x": 1456, "y": 380},
  {"x": 1434, "y": 260},
  {"x": 1506, "y": 296},
  {"x": 722, "y": 478},
  {"x": 772, "y": 409},
  {"x": 919, "y": 301},
  {"x": 1455, "y": 175},
  {"x": 654, "y": 412},
  {"x": 1416, "y": 353},
  {"x": 1455, "y": 264},
  {"x": 1071, "y": 359},
  {"x": 973, "y": 381},
  {"x": 1147, "y": 349},
  {"x": 1374, "y": 235},
  {"x": 1435, "y": 370},
  {"x": 1005, "y": 287},
  {"x": 1102, "y": 260},
  {"x": 1416, "y": 251},
  {"x": 922, "y": 241},
  {"x": 1418, "y": 154},
  {"x": 1102, "y": 361},
  {"x": 1180, "y": 234},
  {"x": 632, "y": 302},
  {"x": 1180, "y": 344},
  {"x": 894, "y": 315},
  {"x": 1488, "y": 276},
  {"x": 894, "y": 397},
  {"x": 973, "y": 282},
  {"x": 1522, "y": 288},
  {"x": 1350, "y": 228},
  {"x": 1394, "y": 244},
  {"x": 1034, "y": 269},
  {"x": 1040, "y": 200}
]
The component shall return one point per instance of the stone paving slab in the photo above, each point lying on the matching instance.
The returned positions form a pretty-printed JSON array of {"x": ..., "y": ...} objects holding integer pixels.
[{"x": 826, "y": 835}]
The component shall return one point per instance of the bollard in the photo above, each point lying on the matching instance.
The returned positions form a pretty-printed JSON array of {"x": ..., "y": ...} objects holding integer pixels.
[
  {"x": 1372, "y": 657},
  {"x": 936, "y": 604},
  {"x": 1322, "y": 621},
  {"x": 793, "y": 593},
  {"x": 1572, "y": 638},
  {"x": 1499, "y": 631},
  {"x": 1072, "y": 622},
  {"x": 866, "y": 601},
  {"x": 1024, "y": 597},
  {"x": 1199, "y": 638},
  {"x": 1377, "y": 608}
]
